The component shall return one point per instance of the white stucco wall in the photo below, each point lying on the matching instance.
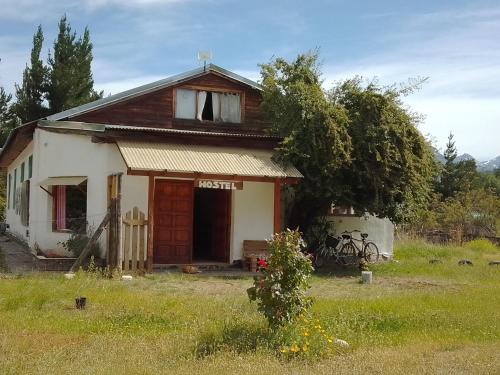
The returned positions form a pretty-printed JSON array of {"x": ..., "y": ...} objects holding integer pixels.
[
  {"x": 380, "y": 231},
  {"x": 253, "y": 213},
  {"x": 56, "y": 154}
]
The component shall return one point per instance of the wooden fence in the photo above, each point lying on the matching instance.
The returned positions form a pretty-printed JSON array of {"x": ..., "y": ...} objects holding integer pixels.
[{"x": 134, "y": 241}]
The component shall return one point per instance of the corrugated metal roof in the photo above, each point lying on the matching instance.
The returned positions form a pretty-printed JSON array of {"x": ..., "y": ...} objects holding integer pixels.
[
  {"x": 186, "y": 131},
  {"x": 150, "y": 87},
  {"x": 202, "y": 159}
]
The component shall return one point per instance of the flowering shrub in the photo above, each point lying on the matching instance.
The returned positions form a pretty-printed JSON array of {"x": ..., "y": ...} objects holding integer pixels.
[
  {"x": 307, "y": 338},
  {"x": 280, "y": 290}
]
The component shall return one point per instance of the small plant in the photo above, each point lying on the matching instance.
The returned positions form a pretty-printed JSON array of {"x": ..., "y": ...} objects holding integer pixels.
[
  {"x": 280, "y": 291},
  {"x": 307, "y": 338},
  {"x": 77, "y": 241}
]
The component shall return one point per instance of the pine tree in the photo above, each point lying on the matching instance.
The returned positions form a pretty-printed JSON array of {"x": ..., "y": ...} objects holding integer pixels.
[
  {"x": 7, "y": 116},
  {"x": 70, "y": 78},
  {"x": 30, "y": 94},
  {"x": 448, "y": 183}
]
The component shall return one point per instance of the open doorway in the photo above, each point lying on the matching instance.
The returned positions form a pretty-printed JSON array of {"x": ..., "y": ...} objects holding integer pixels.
[{"x": 211, "y": 225}]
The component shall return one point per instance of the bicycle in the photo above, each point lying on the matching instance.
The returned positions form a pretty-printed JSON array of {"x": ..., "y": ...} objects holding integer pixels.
[{"x": 345, "y": 250}]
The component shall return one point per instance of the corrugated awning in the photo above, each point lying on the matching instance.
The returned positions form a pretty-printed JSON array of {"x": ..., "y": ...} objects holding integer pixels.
[
  {"x": 63, "y": 180},
  {"x": 203, "y": 159}
]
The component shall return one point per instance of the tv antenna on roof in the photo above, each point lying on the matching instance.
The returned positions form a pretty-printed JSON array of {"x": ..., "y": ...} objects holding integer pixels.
[{"x": 204, "y": 56}]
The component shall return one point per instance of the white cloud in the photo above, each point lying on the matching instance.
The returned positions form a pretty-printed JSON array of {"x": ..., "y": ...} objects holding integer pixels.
[
  {"x": 43, "y": 10},
  {"x": 95, "y": 4},
  {"x": 460, "y": 53}
]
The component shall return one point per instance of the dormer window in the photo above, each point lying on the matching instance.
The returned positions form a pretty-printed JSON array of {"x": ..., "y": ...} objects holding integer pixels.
[{"x": 207, "y": 105}]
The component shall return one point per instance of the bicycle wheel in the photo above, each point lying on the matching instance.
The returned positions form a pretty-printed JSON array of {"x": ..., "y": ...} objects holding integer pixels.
[
  {"x": 370, "y": 252},
  {"x": 347, "y": 254},
  {"x": 319, "y": 261}
]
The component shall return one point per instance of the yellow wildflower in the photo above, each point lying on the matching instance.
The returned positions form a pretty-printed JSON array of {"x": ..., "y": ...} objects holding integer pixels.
[
  {"x": 294, "y": 348},
  {"x": 330, "y": 341},
  {"x": 306, "y": 333},
  {"x": 305, "y": 348},
  {"x": 284, "y": 350}
]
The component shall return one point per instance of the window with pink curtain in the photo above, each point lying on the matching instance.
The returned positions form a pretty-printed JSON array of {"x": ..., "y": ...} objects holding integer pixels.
[
  {"x": 70, "y": 207},
  {"x": 60, "y": 202}
]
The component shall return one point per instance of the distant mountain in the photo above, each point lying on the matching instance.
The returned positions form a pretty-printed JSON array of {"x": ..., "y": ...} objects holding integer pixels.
[
  {"x": 482, "y": 166},
  {"x": 489, "y": 165},
  {"x": 464, "y": 157}
]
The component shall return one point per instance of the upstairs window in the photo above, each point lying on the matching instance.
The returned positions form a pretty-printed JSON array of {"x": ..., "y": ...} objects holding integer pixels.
[{"x": 208, "y": 106}]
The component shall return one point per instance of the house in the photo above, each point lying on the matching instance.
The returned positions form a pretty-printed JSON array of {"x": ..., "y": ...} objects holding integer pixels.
[{"x": 193, "y": 155}]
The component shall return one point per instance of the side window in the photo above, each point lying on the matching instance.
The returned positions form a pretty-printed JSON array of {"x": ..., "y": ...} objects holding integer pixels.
[
  {"x": 22, "y": 171},
  {"x": 9, "y": 190},
  {"x": 70, "y": 207},
  {"x": 14, "y": 190},
  {"x": 24, "y": 203},
  {"x": 30, "y": 166}
]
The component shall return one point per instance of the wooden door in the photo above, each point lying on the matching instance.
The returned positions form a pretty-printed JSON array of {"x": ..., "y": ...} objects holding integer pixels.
[
  {"x": 221, "y": 225},
  {"x": 173, "y": 232}
]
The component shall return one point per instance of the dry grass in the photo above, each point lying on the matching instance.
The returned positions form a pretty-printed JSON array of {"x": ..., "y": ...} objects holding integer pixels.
[{"x": 416, "y": 318}]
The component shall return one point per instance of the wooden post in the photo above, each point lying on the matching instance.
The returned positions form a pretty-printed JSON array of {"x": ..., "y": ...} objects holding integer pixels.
[
  {"x": 151, "y": 191},
  {"x": 277, "y": 206},
  {"x": 118, "y": 233},
  {"x": 86, "y": 251}
]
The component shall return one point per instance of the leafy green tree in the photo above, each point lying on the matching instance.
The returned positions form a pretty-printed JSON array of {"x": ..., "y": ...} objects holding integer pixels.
[
  {"x": 472, "y": 212},
  {"x": 392, "y": 164},
  {"x": 489, "y": 181},
  {"x": 70, "y": 80},
  {"x": 30, "y": 95},
  {"x": 7, "y": 116},
  {"x": 314, "y": 132}
]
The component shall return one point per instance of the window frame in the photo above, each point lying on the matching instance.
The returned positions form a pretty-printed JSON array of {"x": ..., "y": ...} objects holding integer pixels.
[
  {"x": 9, "y": 189},
  {"x": 197, "y": 88},
  {"x": 23, "y": 167},
  {"x": 54, "y": 209},
  {"x": 14, "y": 189},
  {"x": 30, "y": 166}
]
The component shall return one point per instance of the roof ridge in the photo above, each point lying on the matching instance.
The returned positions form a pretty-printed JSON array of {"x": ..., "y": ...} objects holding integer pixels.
[{"x": 150, "y": 87}]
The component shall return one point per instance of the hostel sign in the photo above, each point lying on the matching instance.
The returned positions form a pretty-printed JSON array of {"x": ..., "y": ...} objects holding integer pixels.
[{"x": 218, "y": 184}]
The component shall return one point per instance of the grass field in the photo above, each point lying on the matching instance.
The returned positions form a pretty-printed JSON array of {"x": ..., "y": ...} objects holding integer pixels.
[{"x": 416, "y": 318}]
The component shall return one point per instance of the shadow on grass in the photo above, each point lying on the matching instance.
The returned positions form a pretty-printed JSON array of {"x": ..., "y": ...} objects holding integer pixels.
[
  {"x": 235, "y": 337},
  {"x": 337, "y": 271}
]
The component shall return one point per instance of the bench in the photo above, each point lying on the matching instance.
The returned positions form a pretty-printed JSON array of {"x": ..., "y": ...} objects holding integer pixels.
[{"x": 253, "y": 250}]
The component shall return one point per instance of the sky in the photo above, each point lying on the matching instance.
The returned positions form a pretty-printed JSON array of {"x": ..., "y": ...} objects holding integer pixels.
[{"x": 456, "y": 44}]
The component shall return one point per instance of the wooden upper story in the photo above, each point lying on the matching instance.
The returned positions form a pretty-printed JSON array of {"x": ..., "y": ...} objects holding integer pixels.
[
  {"x": 209, "y": 106},
  {"x": 206, "y": 100}
]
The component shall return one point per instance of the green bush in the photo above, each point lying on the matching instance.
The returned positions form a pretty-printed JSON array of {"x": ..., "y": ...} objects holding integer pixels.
[
  {"x": 77, "y": 241},
  {"x": 481, "y": 245},
  {"x": 280, "y": 291}
]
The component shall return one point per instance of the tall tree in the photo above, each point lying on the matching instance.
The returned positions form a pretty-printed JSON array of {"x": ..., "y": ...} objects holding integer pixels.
[
  {"x": 314, "y": 133},
  {"x": 7, "y": 116},
  {"x": 30, "y": 94},
  {"x": 70, "y": 80},
  {"x": 392, "y": 164},
  {"x": 447, "y": 184}
]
